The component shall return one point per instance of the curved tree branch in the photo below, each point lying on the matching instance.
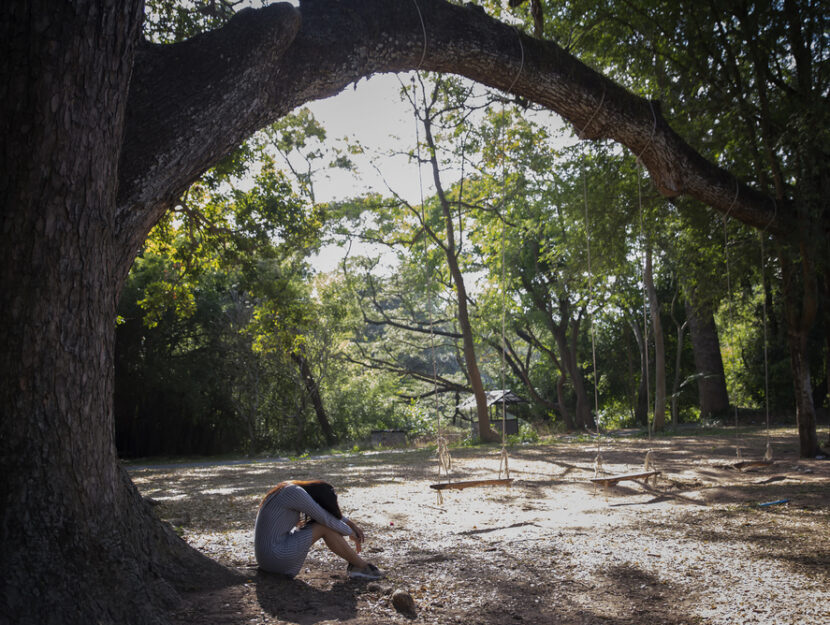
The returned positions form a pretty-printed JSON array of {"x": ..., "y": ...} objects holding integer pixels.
[{"x": 191, "y": 103}]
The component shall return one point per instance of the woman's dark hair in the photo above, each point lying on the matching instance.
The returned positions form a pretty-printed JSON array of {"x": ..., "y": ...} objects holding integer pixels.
[{"x": 320, "y": 491}]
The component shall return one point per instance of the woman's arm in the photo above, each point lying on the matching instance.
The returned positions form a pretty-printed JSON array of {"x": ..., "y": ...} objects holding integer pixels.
[{"x": 298, "y": 499}]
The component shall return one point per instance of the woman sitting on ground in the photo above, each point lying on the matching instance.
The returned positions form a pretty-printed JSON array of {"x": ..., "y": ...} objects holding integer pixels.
[{"x": 296, "y": 514}]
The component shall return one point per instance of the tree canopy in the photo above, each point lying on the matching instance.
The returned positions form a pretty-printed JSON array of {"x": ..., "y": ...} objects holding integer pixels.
[{"x": 105, "y": 131}]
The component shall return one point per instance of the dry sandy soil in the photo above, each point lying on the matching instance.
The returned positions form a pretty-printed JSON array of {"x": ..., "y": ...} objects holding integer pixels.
[{"x": 693, "y": 548}]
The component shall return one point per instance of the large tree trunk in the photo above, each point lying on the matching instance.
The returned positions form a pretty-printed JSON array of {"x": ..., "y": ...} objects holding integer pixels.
[
  {"x": 711, "y": 383},
  {"x": 82, "y": 181},
  {"x": 563, "y": 405},
  {"x": 826, "y": 308},
  {"x": 77, "y": 543},
  {"x": 799, "y": 313},
  {"x": 659, "y": 347}
]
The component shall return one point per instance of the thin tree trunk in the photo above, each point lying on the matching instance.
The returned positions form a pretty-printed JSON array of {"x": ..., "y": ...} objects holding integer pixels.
[
  {"x": 631, "y": 389},
  {"x": 659, "y": 348},
  {"x": 313, "y": 390},
  {"x": 485, "y": 433},
  {"x": 681, "y": 332},
  {"x": 675, "y": 391},
  {"x": 642, "y": 407}
]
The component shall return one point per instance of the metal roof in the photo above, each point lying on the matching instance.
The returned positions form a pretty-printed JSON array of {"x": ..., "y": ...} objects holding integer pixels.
[{"x": 493, "y": 397}]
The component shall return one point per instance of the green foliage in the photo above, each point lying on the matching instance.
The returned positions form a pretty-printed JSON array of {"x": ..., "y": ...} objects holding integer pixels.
[
  {"x": 169, "y": 21},
  {"x": 222, "y": 303},
  {"x": 527, "y": 435}
]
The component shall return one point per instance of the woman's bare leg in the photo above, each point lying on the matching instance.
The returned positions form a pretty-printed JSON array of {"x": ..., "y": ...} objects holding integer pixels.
[{"x": 338, "y": 545}]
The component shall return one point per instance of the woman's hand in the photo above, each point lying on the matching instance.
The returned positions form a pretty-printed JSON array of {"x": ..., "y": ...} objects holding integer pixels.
[{"x": 357, "y": 535}]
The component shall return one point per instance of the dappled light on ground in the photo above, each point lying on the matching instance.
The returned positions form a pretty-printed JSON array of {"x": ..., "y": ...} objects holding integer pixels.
[{"x": 692, "y": 548}]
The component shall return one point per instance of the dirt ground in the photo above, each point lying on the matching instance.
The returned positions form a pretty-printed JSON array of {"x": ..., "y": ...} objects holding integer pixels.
[{"x": 694, "y": 548}]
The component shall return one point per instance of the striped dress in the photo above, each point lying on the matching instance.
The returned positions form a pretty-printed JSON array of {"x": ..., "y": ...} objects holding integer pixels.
[{"x": 279, "y": 546}]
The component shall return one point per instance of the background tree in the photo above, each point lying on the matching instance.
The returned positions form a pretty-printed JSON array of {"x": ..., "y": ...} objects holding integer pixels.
[{"x": 749, "y": 82}]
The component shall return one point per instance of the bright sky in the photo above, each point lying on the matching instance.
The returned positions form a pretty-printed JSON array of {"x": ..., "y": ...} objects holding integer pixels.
[{"x": 373, "y": 114}]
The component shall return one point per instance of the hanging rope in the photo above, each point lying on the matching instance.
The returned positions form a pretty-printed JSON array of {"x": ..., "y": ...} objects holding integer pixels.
[
  {"x": 598, "y": 458},
  {"x": 643, "y": 271},
  {"x": 768, "y": 452},
  {"x": 729, "y": 309},
  {"x": 504, "y": 457},
  {"x": 443, "y": 453},
  {"x": 645, "y": 303},
  {"x": 648, "y": 460},
  {"x": 424, "y": 31}
]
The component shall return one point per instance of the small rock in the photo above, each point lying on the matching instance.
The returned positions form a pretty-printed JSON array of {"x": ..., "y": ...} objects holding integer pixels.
[{"x": 403, "y": 602}]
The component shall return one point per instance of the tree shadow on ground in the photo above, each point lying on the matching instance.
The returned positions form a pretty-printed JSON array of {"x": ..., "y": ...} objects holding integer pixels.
[
  {"x": 296, "y": 601},
  {"x": 544, "y": 590}
]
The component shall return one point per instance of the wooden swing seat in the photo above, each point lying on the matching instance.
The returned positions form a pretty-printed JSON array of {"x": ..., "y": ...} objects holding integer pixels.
[
  {"x": 470, "y": 484},
  {"x": 751, "y": 464},
  {"x": 615, "y": 479}
]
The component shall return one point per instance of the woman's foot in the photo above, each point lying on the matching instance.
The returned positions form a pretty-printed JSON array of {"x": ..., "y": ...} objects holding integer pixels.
[{"x": 370, "y": 571}]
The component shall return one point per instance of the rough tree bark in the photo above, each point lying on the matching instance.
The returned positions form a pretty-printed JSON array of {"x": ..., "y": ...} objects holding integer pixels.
[
  {"x": 102, "y": 132},
  {"x": 711, "y": 383},
  {"x": 800, "y": 314},
  {"x": 77, "y": 542}
]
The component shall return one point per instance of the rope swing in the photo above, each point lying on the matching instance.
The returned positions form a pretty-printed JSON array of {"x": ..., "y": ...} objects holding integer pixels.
[
  {"x": 763, "y": 236},
  {"x": 649, "y": 470},
  {"x": 768, "y": 457},
  {"x": 598, "y": 458},
  {"x": 729, "y": 305},
  {"x": 441, "y": 444},
  {"x": 504, "y": 457}
]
